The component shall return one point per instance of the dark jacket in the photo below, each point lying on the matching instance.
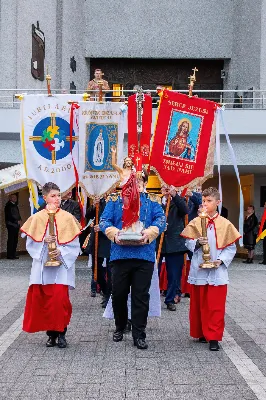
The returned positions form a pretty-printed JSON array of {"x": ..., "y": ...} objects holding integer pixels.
[
  {"x": 193, "y": 205},
  {"x": 12, "y": 215},
  {"x": 250, "y": 231},
  {"x": 70, "y": 206},
  {"x": 173, "y": 242},
  {"x": 104, "y": 244}
]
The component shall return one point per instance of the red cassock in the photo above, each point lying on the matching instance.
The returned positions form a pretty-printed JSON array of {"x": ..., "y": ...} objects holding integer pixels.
[
  {"x": 48, "y": 308},
  {"x": 207, "y": 310},
  {"x": 185, "y": 286},
  {"x": 163, "y": 277},
  {"x": 131, "y": 202}
]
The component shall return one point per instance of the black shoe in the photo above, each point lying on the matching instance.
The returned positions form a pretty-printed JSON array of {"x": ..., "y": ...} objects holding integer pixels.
[
  {"x": 140, "y": 343},
  {"x": 214, "y": 345},
  {"x": 263, "y": 263},
  {"x": 202, "y": 340},
  {"x": 51, "y": 342},
  {"x": 128, "y": 327},
  {"x": 171, "y": 307},
  {"x": 93, "y": 294},
  {"x": 246, "y": 261},
  {"x": 117, "y": 336},
  {"x": 62, "y": 343},
  {"x": 250, "y": 261}
]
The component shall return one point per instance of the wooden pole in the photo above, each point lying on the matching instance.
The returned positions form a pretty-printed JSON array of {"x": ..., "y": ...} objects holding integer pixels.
[
  {"x": 97, "y": 205},
  {"x": 162, "y": 235}
]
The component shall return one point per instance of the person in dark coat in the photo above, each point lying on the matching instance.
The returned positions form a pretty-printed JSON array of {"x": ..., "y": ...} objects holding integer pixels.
[
  {"x": 104, "y": 247},
  {"x": 173, "y": 248},
  {"x": 71, "y": 206},
  {"x": 12, "y": 219},
  {"x": 194, "y": 201},
  {"x": 250, "y": 233}
]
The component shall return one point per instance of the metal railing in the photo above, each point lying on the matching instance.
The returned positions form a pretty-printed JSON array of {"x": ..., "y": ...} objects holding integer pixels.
[{"x": 247, "y": 99}]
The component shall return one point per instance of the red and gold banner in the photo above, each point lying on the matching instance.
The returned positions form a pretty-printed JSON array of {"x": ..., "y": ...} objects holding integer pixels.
[
  {"x": 184, "y": 140},
  {"x": 133, "y": 145}
]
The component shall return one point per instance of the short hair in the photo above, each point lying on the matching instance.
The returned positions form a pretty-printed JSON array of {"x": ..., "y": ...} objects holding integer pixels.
[
  {"x": 251, "y": 205},
  {"x": 212, "y": 192},
  {"x": 145, "y": 175},
  {"x": 46, "y": 189}
]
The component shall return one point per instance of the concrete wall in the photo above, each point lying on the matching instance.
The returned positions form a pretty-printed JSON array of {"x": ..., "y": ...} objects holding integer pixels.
[
  {"x": 244, "y": 69},
  {"x": 62, "y": 23},
  {"x": 159, "y": 29}
]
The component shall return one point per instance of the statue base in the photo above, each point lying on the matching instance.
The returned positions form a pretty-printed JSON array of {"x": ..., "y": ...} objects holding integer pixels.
[
  {"x": 207, "y": 265},
  {"x": 131, "y": 236}
]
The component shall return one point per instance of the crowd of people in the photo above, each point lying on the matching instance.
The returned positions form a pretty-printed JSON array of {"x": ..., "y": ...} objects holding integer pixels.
[{"x": 125, "y": 273}]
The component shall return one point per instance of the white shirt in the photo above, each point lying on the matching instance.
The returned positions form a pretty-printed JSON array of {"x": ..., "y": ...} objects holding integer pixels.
[{"x": 213, "y": 276}]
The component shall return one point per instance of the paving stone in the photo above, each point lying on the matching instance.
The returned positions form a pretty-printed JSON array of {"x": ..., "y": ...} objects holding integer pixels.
[{"x": 94, "y": 367}]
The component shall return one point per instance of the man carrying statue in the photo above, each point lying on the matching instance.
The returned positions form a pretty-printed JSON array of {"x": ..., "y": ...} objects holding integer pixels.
[{"x": 133, "y": 261}]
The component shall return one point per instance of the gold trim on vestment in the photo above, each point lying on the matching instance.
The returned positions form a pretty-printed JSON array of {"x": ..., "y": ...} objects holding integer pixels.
[
  {"x": 225, "y": 231},
  {"x": 67, "y": 227}
]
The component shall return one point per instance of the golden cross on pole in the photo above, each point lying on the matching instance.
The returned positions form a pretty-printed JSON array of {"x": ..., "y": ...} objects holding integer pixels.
[
  {"x": 48, "y": 82},
  {"x": 53, "y": 132},
  {"x": 192, "y": 80}
]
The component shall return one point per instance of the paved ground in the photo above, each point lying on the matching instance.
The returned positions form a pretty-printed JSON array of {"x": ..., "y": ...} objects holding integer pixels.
[{"x": 174, "y": 366}]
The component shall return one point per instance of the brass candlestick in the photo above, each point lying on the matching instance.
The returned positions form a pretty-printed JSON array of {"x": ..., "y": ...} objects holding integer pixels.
[
  {"x": 205, "y": 247},
  {"x": 192, "y": 80},
  {"x": 52, "y": 262}
]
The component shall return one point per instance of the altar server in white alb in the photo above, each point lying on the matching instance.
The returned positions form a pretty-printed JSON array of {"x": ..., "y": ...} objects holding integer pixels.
[
  {"x": 208, "y": 287},
  {"x": 48, "y": 307}
]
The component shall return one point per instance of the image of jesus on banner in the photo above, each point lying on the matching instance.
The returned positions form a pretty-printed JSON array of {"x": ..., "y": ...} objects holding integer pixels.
[{"x": 183, "y": 136}]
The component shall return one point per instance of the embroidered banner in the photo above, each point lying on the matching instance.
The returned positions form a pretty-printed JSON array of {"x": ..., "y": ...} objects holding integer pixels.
[
  {"x": 184, "y": 140},
  {"x": 101, "y": 127},
  {"x": 45, "y": 140}
]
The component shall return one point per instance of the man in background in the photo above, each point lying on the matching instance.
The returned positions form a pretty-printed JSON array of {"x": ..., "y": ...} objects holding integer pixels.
[{"x": 12, "y": 219}]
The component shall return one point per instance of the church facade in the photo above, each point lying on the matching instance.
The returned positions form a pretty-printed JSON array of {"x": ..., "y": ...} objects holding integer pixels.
[{"x": 146, "y": 43}]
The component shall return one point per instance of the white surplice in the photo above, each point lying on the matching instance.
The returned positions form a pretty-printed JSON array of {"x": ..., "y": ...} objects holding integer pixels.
[
  {"x": 64, "y": 274},
  {"x": 213, "y": 276}
]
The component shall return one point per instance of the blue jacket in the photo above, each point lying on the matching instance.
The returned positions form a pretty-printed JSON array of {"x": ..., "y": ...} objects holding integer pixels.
[{"x": 151, "y": 214}]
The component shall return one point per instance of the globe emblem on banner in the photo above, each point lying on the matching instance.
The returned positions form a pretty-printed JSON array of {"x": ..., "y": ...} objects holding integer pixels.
[{"x": 51, "y": 138}]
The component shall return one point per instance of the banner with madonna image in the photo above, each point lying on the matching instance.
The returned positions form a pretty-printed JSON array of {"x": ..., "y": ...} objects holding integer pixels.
[
  {"x": 101, "y": 128},
  {"x": 184, "y": 140}
]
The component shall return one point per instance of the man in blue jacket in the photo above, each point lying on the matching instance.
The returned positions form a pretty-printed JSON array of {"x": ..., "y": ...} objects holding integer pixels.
[{"x": 132, "y": 265}]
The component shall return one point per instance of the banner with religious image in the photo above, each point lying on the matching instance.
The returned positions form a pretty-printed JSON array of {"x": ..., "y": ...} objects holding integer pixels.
[
  {"x": 184, "y": 140},
  {"x": 49, "y": 149},
  {"x": 101, "y": 127}
]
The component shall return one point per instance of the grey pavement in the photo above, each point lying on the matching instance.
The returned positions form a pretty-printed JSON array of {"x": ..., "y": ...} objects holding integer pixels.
[{"x": 94, "y": 367}]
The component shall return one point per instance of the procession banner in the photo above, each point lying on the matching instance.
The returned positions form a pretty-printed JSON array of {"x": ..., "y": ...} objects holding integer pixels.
[
  {"x": 101, "y": 127},
  {"x": 184, "y": 141},
  {"x": 49, "y": 149}
]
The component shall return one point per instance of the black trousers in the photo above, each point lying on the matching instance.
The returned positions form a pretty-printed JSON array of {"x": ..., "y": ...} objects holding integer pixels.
[
  {"x": 12, "y": 241},
  {"x": 103, "y": 276},
  {"x": 55, "y": 334},
  {"x": 136, "y": 274}
]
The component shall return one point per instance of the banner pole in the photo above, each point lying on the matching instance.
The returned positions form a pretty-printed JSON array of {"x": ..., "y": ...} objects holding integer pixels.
[
  {"x": 162, "y": 235},
  {"x": 96, "y": 243}
]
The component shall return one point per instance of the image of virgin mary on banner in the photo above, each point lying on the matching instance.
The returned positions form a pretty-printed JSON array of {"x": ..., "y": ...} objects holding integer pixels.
[
  {"x": 102, "y": 127},
  {"x": 184, "y": 140}
]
